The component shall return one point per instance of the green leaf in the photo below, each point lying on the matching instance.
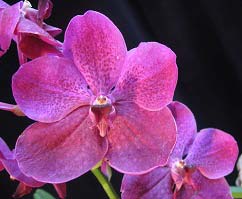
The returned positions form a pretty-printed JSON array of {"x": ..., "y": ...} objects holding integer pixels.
[
  {"x": 41, "y": 194},
  {"x": 236, "y": 192}
]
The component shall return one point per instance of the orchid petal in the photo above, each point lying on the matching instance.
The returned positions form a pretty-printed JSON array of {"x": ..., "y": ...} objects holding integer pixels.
[
  {"x": 155, "y": 184},
  {"x": 60, "y": 151},
  {"x": 213, "y": 152},
  {"x": 35, "y": 41},
  {"x": 52, "y": 30},
  {"x": 1, "y": 165},
  {"x": 186, "y": 128},
  {"x": 61, "y": 190},
  {"x": 44, "y": 9},
  {"x": 22, "y": 190},
  {"x": 48, "y": 88},
  {"x": 5, "y": 152},
  {"x": 9, "y": 18},
  {"x": 97, "y": 48},
  {"x": 3, "y": 4},
  {"x": 9, "y": 162},
  {"x": 205, "y": 188},
  {"x": 13, "y": 169},
  {"x": 139, "y": 139},
  {"x": 149, "y": 76}
]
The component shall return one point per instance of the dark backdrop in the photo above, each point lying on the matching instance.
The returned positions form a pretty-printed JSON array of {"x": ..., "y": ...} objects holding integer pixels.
[{"x": 204, "y": 34}]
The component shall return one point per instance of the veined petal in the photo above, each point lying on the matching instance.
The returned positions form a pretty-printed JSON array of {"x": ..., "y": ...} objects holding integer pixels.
[
  {"x": 156, "y": 184},
  {"x": 205, "y": 188},
  {"x": 186, "y": 129},
  {"x": 140, "y": 140},
  {"x": 213, "y": 152},
  {"x": 60, "y": 151},
  {"x": 97, "y": 48},
  {"x": 149, "y": 76},
  {"x": 48, "y": 88},
  {"x": 9, "y": 18}
]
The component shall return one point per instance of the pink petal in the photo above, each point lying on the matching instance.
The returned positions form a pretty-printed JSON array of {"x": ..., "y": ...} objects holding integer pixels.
[
  {"x": 12, "y": 168},
  {"x": 156, "y": 184},
  {"x": 214, "y": 153},
  {"x": 33, "y": 47},
  {"x": 1, "y": 165},
  {"x": 5, "y": 152},
  {"x": 34, "y": 41},
  {"x": 186, "y": 128},
  {"x": 97, "y": 48},
  {"x": 53, "y": 31},
  {"x": 149, "y": 76},
  {"x": 9, "y": 18},
  {"x": 25, "y": 26},
  {"x": 205, "y": 189},
  {"x": 48, "y": 88},
  {"x": 9, "y": 162},
  {"x": 140, "y": 140},
  {"x": 61, "y": 190},
  {"x": 60, "y": 151},
  {"x": 3, "y": 4},
  {"x": 22, "y": 190},
  {"x": 44, "y": 9}
]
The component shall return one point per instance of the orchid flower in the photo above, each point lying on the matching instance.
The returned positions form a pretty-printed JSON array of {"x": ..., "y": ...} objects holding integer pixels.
[
  {"x": 25, "y": 25},
  {"x": 196, "y": 167},
  {"x": 97, "y": 102}
]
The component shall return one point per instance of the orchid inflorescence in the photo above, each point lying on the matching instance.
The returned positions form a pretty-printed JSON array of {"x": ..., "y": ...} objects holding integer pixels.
[{"x": 98, "y": 106}]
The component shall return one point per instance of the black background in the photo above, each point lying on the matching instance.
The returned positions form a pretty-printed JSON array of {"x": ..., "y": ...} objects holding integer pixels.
[{"x": 204, "y": 34}]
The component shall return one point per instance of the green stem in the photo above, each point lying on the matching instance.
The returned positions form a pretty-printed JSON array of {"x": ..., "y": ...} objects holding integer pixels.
[{"x": 107, "y": 186}]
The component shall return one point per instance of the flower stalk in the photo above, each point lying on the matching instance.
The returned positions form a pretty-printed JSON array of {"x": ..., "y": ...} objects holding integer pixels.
[{"x": 107, "y": 186}]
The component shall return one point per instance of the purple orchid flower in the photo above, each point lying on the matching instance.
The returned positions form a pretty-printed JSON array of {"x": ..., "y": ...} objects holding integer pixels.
[
  {"x": 25, "y": 25},
  {"x": 8, "y": 162},
  {"x": 196, "y": 167},
  {"x": 98, "y": 102}
]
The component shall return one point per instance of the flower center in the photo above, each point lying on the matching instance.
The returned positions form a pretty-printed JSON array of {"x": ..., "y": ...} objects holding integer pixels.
[
  {"x": 102, "y": 112},
  {"x": 181, "y": 173},
  {"x": 101, "y": 100}
]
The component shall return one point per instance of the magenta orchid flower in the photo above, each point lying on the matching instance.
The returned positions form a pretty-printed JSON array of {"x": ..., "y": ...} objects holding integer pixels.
[
  {"x": 8, "y": 162},
  {"x": 98, "y": 102},
  {"x": 196, "y": 167},
  {"x": 25, "y": 25}
]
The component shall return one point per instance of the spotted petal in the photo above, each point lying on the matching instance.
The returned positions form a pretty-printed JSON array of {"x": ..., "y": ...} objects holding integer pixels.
[
  {"x": 97, "y": 48},
  {"x": 214, "y": 153},
  {"x": 60, "y": 151},
  {"x": 140, "y": 140},
  {"x": 48, "y": 88},
  {"x": 149, "y": 76},
  {"x": 156, "y": 184}
]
